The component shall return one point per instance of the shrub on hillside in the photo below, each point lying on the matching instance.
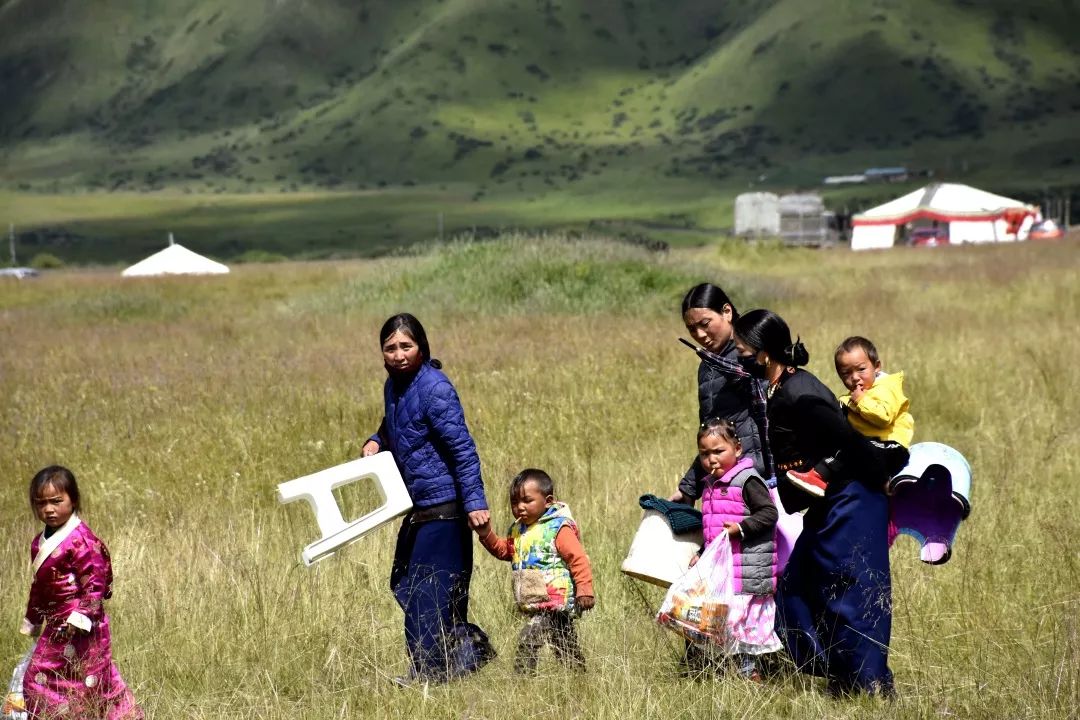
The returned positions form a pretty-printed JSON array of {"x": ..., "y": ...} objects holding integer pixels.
[
  {"x": 520, "y": 274},
  {"x": 46, "y": 261}
]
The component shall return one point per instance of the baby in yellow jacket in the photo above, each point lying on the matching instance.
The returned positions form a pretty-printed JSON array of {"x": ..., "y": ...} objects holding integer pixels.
[{"x": 875, "y": 406}]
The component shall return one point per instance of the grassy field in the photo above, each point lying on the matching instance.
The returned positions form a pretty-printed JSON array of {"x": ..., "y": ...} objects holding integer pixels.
[
  {"x": 181, "y": 403},
  {"x": 103, "y": 228},
  {"x": 116, "y": 229}
]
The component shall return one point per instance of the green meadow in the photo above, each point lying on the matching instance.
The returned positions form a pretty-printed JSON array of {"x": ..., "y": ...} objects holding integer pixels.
[
  {"x": 122, "y": 228},
  {"x": 180, "y": 403}
]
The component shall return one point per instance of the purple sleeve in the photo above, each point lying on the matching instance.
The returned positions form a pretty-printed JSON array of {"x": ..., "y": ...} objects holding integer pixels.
[
  {"x": 93, "y": 573},
  {"x": 448, "y": 424}
]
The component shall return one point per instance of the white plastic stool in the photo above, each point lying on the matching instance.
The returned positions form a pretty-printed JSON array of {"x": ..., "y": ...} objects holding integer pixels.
[
  {"x": 657, "y": 555},
  {"x": 318, "y": 489}
]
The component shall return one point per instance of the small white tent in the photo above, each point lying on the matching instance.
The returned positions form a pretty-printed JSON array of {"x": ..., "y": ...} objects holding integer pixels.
[
  {"x": 175, "y": 260},
  {"x": 972, "y": 215}
]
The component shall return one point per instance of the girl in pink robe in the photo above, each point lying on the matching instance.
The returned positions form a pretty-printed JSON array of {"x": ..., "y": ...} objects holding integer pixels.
[{"x": 71, "y": 673}]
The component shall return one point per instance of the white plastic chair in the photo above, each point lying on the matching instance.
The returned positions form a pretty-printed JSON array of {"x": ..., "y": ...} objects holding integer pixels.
[{"x": 318, "y": 489}]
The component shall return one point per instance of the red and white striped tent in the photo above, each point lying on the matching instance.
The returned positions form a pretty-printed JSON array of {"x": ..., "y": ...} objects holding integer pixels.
[{"x": 972, "y": 216}]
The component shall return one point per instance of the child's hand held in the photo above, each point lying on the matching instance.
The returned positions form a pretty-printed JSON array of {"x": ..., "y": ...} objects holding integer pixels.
[
  {"x": 480, "y": 521},
  {"x": 586, "y": 602}
]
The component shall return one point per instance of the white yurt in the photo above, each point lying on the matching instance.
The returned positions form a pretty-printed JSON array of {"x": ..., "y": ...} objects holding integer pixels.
[
  {"x": 969, "y": 214},
  {"x": 175, "y": 260}
]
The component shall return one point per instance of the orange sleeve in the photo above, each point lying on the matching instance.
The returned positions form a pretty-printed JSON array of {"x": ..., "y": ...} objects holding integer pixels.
[
  {"x": 500, "y": 547},
  {"x": 570, "y": 549}
]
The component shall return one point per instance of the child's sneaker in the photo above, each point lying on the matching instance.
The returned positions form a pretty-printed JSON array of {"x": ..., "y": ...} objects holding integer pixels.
[{"x": 808, "y": 481}]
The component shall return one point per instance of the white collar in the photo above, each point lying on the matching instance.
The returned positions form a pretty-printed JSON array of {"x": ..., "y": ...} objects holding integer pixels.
[{"x": 53, "y": 541}]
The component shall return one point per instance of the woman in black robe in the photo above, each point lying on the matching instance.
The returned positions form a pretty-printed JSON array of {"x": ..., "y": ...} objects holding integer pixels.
[{"x": 834, "y": 601}]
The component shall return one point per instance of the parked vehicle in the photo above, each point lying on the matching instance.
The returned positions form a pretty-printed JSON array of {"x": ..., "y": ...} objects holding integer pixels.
[
  {"x": 19, "y": 272},
  {"x": 928, "y": 236},
  {"x": 1045, "y": 230}
]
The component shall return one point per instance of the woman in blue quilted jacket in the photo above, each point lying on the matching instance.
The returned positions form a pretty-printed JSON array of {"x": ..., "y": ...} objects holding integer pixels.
[{"x": 424, "y": 427}]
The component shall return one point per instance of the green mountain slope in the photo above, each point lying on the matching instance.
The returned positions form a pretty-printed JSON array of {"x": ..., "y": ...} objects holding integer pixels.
[
  {"x": 346, "y": 94},
  {"x": 486, "y": 98}
]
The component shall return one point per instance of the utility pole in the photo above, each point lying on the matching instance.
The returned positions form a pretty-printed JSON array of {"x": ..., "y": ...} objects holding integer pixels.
[
  {"x": 440, "y": 226},
  {"x": 11, "y": 242}
]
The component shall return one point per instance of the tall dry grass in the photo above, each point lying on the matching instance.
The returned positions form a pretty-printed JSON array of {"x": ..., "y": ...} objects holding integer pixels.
[{"x": 181, "y": 403}]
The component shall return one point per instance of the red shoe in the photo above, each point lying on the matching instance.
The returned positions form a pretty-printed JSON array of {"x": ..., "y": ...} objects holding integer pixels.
[
  {"x": 808, "y": 481},
  {"x": 892, "y": 532}
]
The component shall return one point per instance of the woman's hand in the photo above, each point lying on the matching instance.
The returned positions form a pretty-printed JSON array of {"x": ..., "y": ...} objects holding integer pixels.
[
  {"x": 677, "y": 496},
  {"x": 693, "y": 560},
  {"x": 585, "y": 602},
  {"x": 482, "y": 529},
  {"x": 733, "y": 529},
  {"x": 370, "y": 448},
  {"x": 480, "y": 520}
]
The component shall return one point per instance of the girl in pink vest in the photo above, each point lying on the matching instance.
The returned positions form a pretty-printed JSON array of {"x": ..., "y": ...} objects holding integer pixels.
[{"x": 737, "y": 502}]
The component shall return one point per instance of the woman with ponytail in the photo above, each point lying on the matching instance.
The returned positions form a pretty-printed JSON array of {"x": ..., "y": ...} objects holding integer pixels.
[
  {"x": 723, "y": 392},
  {"x": 834, "y": 601}
]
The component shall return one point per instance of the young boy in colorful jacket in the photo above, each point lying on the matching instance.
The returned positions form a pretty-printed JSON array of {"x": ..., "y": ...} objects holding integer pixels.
[{"x": 551, "y": 574}]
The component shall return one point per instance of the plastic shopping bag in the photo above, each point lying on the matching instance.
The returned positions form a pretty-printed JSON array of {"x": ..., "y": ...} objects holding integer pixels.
[
  {"x": 14, "y": 705},
  {"x": 696, "y": 606}
]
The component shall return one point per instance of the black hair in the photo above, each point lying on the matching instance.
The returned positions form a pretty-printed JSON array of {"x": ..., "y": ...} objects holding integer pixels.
[
  {"x": 765, "y": 330},
  {"x": 60, "y": 478},
  {"x": 409, "y": 325},
  {"x": 710, "y": 297},
  {"x": 857, "y": 342},
  {"x": 721, "y": 428},
  {"x": 541, "y": 478}
]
